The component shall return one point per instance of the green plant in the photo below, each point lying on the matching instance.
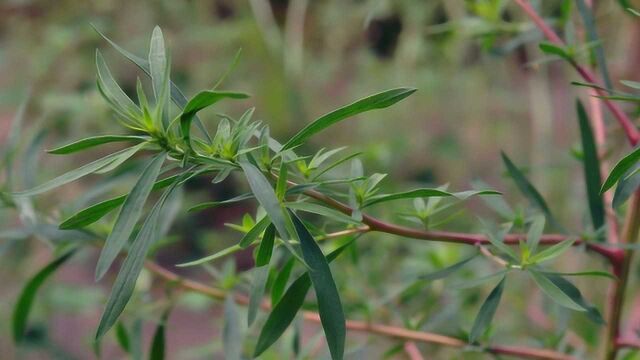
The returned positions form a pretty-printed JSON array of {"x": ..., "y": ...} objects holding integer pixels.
[{"x": 287, "y": 185}]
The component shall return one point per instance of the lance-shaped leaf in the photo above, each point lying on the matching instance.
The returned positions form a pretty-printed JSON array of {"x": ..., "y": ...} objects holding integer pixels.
[
  {"x": 258, "y": 285},
  {"x": 214, "y": 204},
  {"x": 202, "y": 100},
  {"x": 321, "y": 210},
  {"x": 551, "y": 49},
  {"x": 287, "y": 307},
  {"x": 93, "y": 213},
  {"x": 113, "y": 91},
  {"x": 78, "y": 173},
  {"x": 592, "y": 36},
  {"x": 627, "y": 185},
  {"x": 280, "y": 283},
  {"x": 552, "y": 251},
  {"x": 556, "y": 293},
  {"x": 572, "y": 292},
  {"x": 222, "y": 253},
  {"x": 621, "y": 168},
  {"x": 376, "y": 101},
  {"x": 129, "y": 215},
  {"x": 529, "y": 191},
  {"x": 157, "y": 351},
  {"x": 266, "y": 246},
  {"x": 231, "y": 332},
  {"x": 329, "y": 305},
  {"x": 25, "y": 300},
  {"x": 176, "y": 95},
  {"x": 253, "y": 234},
  {"x": 487, "y": 311},
  {"x": 126, "y": 280},
  {"x": 94, "y": 141},
  {"x": 443, "y": 273},
  {"x": 591, "y": 168},
  {"x": 266, "y": 196},
  {"x": 535, "y": 232},
  {"x": 422, "y": 193}
]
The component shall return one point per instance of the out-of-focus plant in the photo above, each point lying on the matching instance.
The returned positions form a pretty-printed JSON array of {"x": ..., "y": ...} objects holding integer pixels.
[{"x": 299, "y": 199}]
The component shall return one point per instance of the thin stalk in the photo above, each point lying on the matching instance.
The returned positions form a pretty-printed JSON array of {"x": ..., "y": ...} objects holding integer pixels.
[
  {"x": 354, "y": 325},
  {"x": 621, "y": 270}
]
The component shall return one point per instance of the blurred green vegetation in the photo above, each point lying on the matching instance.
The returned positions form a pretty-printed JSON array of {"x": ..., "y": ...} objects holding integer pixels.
[{"x": 483, "y": 86}]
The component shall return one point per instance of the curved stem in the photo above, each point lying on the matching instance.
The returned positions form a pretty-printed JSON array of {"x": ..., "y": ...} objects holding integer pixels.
[
  {"x": 614, "y": 255},
  {"x": 354, "y": 325}
]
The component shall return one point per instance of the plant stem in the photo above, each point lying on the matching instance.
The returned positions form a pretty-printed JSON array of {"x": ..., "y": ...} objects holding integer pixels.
[
  {"x": 354, "y": 325},
  {"x": 612, "y": 254},
  {"x": 621, "y": 269},
  {"x": 630, "y": 130}
]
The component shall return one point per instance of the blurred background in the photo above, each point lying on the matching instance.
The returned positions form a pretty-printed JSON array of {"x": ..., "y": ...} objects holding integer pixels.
[{"x": 483, "y": 86}]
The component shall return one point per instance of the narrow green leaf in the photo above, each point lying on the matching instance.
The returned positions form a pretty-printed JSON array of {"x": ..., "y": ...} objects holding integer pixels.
[
  {"x": 535, "y": 232},
  {"x": 94, "y": 141},
  {"x": 621, "y": 168},
  {"x": 280, "y": 282},
  {"x": 281, "y": 185},
  {"x": 574, "y": 293},
  {"x": 129, "y": 215},
  {"x": 157, "y": 351},
  {"x": 329, "y": 305},
  {"x": 25, "y": 301},
  {"x": 214, "y": 204},
  {"x": 422, "y": 193},
  {"x": 376, "y": 101},
  {"x": 335, "y": 164},
  {"x": 529, "y": 191},
  {"x": 486, "y": 313},
  {"x": 591, "y": 168},
  {"x": 593, "y": 273},
  {"x": 632, "y": 84},
  {"x": 76, "y": 173},
  {"x": 496, "y": 237},
  {"x": 122, "y": 337},
  {"x": 157, "y": 60},
  {"x": 266, "y": 246},
  {"x": 126, "y": 280},
  {"x": 93, "y": 213},
  {"x": 627, "y": 185},
  {"x": 231, "y": 333},
  {"x": 112, "y": 89},
  {"x": 121, "y": 159},
  {"x": 287, "y": 307},
  {"x": 551, "y": 49},
  {"x": 443, "y": 273},
  {"x": 176, "y": 95},
  {"x": 554, "y": 292},
  {"x": 253, "y": 234},
  {"x": 552, "y": 251},
  {"x": 266, "y": 196},
  {"x": 258, "y": 286},
  {"x": 592, "y": 36},
  {"x": 322, "y": 210},
  {"x": 202, "y": 100},
  {"x": 222, "y": 253}
]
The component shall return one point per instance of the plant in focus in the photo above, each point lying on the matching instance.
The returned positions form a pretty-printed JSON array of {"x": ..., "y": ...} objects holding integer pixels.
[{"x": 308, "y": 217}]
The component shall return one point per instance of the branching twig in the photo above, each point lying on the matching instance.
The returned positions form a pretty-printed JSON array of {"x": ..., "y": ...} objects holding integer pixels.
[{"x": 354, "y": 325}]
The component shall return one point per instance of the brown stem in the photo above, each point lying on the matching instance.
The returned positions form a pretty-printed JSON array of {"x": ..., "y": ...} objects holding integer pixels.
[
  {"x": 621, "y": 269},
  {"x": 611, "y": 254},
  {"x": 629, "y": 128},
  {"x": 354, "y": 325}
]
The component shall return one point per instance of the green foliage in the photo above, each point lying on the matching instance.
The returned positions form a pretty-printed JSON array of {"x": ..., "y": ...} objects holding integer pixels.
[{"x": 27, "y": 296}]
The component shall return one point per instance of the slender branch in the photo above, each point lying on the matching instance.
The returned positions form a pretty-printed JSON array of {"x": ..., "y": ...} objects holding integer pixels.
[
  {"x": 621, "y": 269},
  {"x": 354, "y": 325},
  {"x": 632, "y": 133},
  {"x": 612, "y": 254}
]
